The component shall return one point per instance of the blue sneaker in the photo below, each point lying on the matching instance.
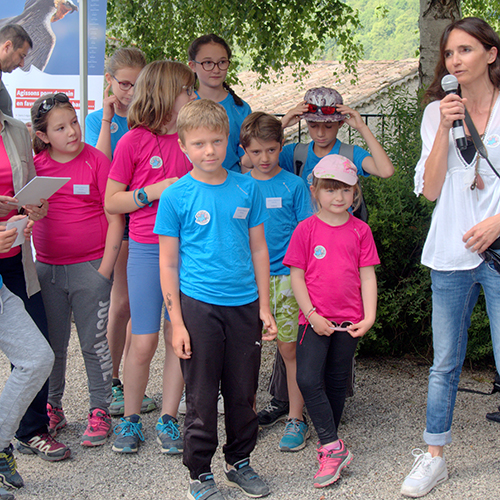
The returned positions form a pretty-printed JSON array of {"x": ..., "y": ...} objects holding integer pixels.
[
  {"x": 117, "y": 406},
  {"x": 242, "y": 476},
  {"x": 204, "y": 488},
  {"x": 296, "y": 433},
  {"x": 129, "y": 432},
  {"x": 9, "y": 477},
  {"x": 169, "y": 436},
  {"x": 5, "y": 495}
]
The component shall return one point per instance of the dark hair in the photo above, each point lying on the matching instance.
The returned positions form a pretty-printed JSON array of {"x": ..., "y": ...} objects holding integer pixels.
[
  {"x": 336, "y": 184},
  {"x": 205, "y": 40},
  {"x": 39, "y": 123},
  {"x": 260, "y": 125},
  {"x": 481, "y": 31},
  {"x": 16, "y": 34}
]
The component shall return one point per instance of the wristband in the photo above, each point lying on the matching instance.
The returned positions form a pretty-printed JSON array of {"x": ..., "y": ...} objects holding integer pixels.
[
  {"x": 143, "y": 198},
  {"x": 104, "y": 120},
  {"x": 308, "y": 315},
  {"x": 133, "y": 194}
]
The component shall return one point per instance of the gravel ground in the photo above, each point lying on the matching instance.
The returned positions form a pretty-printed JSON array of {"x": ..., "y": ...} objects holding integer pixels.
[{"x": 382, "y": 423}]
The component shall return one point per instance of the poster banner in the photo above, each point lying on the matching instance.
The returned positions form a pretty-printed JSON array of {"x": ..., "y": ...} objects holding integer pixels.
[{"x": 53, "y": 65}]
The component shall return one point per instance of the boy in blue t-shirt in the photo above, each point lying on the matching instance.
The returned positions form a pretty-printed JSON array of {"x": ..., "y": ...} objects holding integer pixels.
[
  {"x": 324, "y": 112},
  {"x": 288, "y": 203},
  {"x": 212, "y": 222}
]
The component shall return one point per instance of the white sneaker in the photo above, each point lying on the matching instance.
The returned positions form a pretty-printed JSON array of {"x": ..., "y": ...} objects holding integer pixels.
[
  {"x": 182, "y": 404},
  {"x": 426, "y": 473}
]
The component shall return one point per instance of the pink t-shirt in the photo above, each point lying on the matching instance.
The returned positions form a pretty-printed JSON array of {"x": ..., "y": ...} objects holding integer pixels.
[
  {"x": 75, "y": 227},
  {"x": 331, "y": 257},
  {"x": 142, "y": 158},
  {"x": 7, "y": 189}
]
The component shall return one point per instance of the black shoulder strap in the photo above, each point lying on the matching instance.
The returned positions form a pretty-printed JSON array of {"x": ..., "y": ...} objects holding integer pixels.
[{"x": 299, "y": 157}]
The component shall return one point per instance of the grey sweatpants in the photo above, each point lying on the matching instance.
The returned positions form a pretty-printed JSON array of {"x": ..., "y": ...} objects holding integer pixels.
[
  {"x": 80, "y": 289},
  {"x": 32, "y": 358}
]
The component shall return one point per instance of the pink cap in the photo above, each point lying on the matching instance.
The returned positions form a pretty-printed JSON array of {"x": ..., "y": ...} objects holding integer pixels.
[{"x": 338, "y": 168}]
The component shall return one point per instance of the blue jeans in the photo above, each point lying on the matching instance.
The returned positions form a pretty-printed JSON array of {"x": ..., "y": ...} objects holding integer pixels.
[{"x": 454, "y": 294}]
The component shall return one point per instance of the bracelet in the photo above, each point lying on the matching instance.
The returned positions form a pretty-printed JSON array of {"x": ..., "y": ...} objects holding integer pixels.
[
  {"x": 310, "y": 312},
  {"x": 135, "y": 191},
  {"x": 104, "y": 120}
]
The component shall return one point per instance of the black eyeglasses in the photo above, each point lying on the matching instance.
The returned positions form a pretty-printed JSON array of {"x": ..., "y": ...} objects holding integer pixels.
[
  {"x": 124, "y": 85},
  {"x": 491, "y": 256},
  {"x": 210, "y": 65},
  {"x": 47, "y": 104}
]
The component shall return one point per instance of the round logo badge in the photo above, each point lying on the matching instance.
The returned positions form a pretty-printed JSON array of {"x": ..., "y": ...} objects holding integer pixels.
[
  {"x": 202, "y": 218},
  {"x": 113, "y": 127},
  {"x": 320, "y": 252},
  {"x": 493, "y": 141},
  {"x": 310, "y": 179},
  {"x": 156, "y": 162}
]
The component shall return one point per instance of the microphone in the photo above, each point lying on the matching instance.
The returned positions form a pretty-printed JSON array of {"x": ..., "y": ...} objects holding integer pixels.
[{"x": 449, "y": 84}]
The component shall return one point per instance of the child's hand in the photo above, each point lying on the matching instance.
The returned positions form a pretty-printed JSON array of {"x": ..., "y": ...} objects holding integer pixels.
[
  {"x": 7, "y": 238},
  {"x": 108, "y": 104},
  {"x": 6, "y": 207},
  {"x": 181, "y": 342},
  {"x": 294, "y": 115},
  {"x": 27, "y": 229},
  {"x": 359, "y": 329},
  {"x": 270, "y": 328},
  {"x": 352, "y": 117},
  {"x": 37, "y": 212},
  {"x": 320, "y": 325}
]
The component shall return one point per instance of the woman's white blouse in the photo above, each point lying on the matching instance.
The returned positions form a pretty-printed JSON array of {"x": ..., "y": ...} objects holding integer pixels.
[{"x": 458, "y": 208}]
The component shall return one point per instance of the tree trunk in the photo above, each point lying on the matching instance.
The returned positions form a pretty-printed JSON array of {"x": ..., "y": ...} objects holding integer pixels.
[{"x": 435, "y": 15}]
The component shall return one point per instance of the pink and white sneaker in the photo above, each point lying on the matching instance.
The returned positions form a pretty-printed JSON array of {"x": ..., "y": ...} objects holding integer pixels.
[
  {"x": 57, "y": 420},
  {"x": 98, "y": 428},
  {"x": 331, "y": 463}
]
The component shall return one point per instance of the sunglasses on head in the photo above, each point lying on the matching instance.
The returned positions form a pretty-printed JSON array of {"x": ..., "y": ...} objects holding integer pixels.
[
  {"x": 47, "y": 104},
  {"x": 326, "y": 110}
]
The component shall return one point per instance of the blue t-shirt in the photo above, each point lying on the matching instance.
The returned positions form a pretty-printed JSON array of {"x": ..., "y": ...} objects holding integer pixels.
[
  {"x": 212, "y": 223},
  {"x": 93, "y": 124},
  {"x": 286, "y": 159},
  {"x": 236, "y": 115},
  {"x": 288, "y": 202},
  {"x": 1, "y": 281}
]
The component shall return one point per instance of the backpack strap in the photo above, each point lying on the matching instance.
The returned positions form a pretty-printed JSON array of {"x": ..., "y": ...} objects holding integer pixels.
[
  {"x": 300, "y": 157},
  {"x": 347, "y": 150}
]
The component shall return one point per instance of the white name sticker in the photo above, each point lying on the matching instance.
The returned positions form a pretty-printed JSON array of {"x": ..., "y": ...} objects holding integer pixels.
[
  {"x": 273, "y": 203},
  {"x": 241, "y": 213},
  {"x": 81, "y": 189}
]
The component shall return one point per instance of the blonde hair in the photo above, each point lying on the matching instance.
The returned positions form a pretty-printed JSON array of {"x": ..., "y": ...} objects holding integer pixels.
[
  {"x": 335, "y": 184},
  {"x": 128, "y": 57},
  {"x": 156, "y": 89},
  {"x": 39, "y": 123},
  {"x": 203, "y": 113}
]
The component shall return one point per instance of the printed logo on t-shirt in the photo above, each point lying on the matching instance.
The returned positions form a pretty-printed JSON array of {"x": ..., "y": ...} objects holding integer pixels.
[
  {"x": 113, "y": 127},
  {"x": 310, "y": 179},
  {"x": 319, "y": 252},
  {"x": 493, "y": 141},
  {"x": 202, "y": 218},
  {"x": 156, "y": 162}
]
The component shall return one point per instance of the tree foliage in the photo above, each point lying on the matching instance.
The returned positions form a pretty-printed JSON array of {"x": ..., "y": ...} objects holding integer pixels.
[{"x": 271, "y": 33}]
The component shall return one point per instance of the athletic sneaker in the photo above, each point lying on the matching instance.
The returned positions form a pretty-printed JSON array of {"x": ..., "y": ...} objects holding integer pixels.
[
  {"x": 182, "y": 404},
  {"x": 57, "y": 420},
  {"x": 296, "y": 433},
  {"x": 204, "y": 488},
  {"x": 331, "y": 464},
  {"x": 245, "y": 478},
  {"x": 168, "y": 435},
  {"x": 426, "y": 473},
  {"x": 45, "y": 446},
  {"x": 117, "y": 406},
  {"x": 129, "y": 432},
  {"x": 273, "y": 412},
  {"x": 9, "y": 476},
  {"x": 98, "y": 428},
  {"x": 5, "y": 495}
]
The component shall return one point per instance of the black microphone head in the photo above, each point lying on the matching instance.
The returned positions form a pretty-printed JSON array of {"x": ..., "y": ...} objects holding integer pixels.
[{"x": 449, "y": 83}]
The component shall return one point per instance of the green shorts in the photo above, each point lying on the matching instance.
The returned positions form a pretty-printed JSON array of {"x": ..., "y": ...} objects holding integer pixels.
[{"x": 284, "y": 308}]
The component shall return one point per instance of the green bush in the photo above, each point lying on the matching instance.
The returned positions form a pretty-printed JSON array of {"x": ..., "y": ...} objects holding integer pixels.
[{"x": 400, "y": 222}]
